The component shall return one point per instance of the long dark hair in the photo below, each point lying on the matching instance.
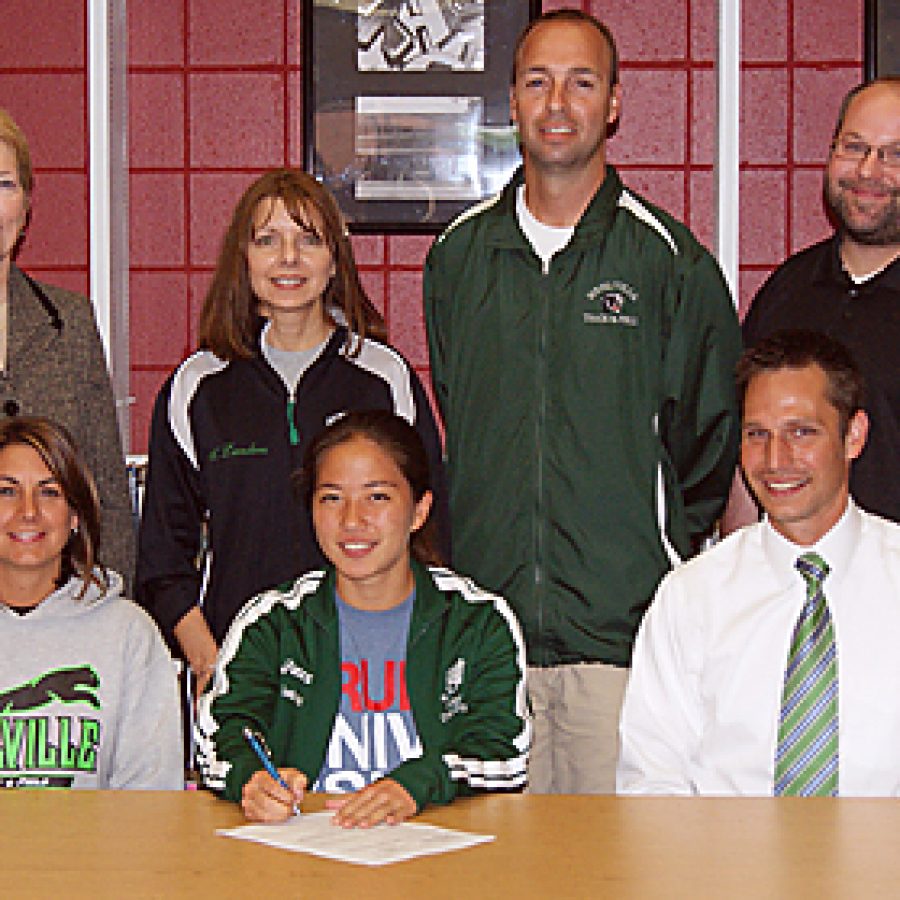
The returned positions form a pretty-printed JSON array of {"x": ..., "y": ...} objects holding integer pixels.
[
  {"x": 402, "y": 443},
  {"x": 230, "y": 321},
  {"x": 57, "y": 449}
]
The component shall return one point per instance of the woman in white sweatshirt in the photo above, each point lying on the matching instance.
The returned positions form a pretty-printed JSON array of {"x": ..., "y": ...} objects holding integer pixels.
[{"x": 87, "y": 687}]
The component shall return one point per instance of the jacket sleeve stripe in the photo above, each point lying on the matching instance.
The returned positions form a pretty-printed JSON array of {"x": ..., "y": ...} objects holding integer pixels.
[
  {"x": 502, "y": 773},
  {"x": 491, "y": 775},
  {"x": 389, "y": 366},
  {"x": 639, "y": 211},
  {"x": 671, "y": 552},
  {"x": 184, "y": 385},
  {"x": 469, "y": 213},
  {"x": 213, "y": 769}
]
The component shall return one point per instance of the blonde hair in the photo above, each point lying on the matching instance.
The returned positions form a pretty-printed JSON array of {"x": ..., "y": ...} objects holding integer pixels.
[{"x": 12, "y": 135}]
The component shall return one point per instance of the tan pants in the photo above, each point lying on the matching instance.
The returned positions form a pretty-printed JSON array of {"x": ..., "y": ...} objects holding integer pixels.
[{"x": 576, "y": 728}]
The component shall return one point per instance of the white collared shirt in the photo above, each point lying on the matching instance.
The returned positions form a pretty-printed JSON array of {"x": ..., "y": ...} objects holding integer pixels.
[{"x": 701, "y": 709}]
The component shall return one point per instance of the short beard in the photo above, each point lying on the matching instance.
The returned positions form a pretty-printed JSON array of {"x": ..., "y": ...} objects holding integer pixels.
[{"x": 883, "y": 233}]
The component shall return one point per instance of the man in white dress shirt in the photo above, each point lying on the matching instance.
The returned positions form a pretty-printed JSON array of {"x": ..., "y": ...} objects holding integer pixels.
[{"x": 704, "y": 700}]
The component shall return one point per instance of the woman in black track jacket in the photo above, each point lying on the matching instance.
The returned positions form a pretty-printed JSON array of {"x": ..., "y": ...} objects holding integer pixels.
[{"x": 288, "y": 343}]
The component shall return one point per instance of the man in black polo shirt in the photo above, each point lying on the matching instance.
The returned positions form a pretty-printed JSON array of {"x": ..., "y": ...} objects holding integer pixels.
[{"x": 849, "y": 285}]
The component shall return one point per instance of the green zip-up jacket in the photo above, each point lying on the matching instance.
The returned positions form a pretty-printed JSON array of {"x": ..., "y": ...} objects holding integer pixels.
[
  {"x": 590, "y": 412},
  {"x": 279, "y": 672}
]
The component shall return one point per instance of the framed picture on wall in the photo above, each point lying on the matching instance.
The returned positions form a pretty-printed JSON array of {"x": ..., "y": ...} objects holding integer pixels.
[
  {"x": 882, "y": 38},
  {"x": 406, "y": 105}
]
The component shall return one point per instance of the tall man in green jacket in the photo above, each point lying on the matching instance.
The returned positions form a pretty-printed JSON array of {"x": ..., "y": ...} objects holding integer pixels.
[{"x": 582, "y": 349}]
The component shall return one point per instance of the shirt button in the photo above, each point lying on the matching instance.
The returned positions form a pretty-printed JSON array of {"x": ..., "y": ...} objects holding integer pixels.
[{"x": 853, "y": 292}]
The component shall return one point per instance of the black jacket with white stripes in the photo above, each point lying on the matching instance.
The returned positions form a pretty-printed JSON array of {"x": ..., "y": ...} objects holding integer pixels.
[{"x": 224, "y": 441}]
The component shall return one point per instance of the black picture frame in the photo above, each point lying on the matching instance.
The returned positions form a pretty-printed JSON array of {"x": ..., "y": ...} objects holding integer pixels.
[
  {"x": 406, "y": 107},
  {"x": 881, "y": 40}
]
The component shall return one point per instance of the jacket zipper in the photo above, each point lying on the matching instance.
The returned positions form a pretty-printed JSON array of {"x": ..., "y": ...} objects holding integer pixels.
[
  {"x": 540, "y": 428},
  {"x": 293, "y": 434}
]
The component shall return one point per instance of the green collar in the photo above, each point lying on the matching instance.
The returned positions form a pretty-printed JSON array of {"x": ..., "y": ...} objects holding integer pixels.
[
  {"x": 504, "y": 232},
  {"x": 429, "y": 604}
]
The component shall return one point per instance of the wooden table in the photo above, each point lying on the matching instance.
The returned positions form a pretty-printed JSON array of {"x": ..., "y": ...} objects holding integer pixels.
[{"x": 74, "y": 844}]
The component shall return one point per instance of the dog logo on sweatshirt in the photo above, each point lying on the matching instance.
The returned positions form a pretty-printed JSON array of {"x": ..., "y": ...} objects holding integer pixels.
[
  {"x": 77, "y": 684},
  {"x": 49, "y": 750}
]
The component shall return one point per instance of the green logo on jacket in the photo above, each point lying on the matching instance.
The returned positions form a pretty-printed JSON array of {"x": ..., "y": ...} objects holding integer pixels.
[{"x": 230, "y": 450}]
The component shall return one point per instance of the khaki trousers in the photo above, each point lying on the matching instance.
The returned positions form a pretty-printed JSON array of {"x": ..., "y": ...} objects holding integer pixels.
[{"x": 576, "y": 728}]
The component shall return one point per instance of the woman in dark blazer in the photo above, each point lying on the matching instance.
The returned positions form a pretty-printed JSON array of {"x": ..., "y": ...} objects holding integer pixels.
[{"x": 51, "y": 358}]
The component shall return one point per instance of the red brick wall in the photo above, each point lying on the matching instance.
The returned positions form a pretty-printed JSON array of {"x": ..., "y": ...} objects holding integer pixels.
[
  {"x": 43, "y": 84},
  {"x": 799, "y": 59},
  {"x": 215, "y": 90}
]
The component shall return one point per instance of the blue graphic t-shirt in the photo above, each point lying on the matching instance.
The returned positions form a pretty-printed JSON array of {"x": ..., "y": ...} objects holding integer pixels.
[{"x": 374, "y": 730}]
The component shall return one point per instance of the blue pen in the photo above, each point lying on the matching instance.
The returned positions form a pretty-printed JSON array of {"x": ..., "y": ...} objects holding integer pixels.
[{"x": 256, "y": 745}]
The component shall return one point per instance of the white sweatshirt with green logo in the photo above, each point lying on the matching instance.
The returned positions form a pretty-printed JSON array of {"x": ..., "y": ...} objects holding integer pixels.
[{"x": 88, "y": 695}]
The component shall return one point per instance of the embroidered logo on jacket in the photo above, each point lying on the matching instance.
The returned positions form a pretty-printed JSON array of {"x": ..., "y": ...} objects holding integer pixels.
[
  {"x": 451, "y": 701},
  {"x": 614, "y": 303},
  {"x": 229, "y": 451}
]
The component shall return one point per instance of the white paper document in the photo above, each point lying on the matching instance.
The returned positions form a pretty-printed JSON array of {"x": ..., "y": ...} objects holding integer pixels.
[{"x": 314, "y": 833}]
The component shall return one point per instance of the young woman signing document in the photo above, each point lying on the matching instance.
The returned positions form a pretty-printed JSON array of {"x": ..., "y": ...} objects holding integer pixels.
[{"x": 383, "y": 678}]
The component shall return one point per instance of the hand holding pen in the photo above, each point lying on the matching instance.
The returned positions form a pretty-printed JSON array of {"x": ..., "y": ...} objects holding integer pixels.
[{"x": 271, "y": 795}]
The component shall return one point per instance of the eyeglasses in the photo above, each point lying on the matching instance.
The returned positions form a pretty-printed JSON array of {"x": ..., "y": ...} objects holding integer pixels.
[{"x": 855, "y": 150}]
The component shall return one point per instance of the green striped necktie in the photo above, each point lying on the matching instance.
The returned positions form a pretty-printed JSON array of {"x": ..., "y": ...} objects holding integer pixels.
[{"x": 806, "y": 760}]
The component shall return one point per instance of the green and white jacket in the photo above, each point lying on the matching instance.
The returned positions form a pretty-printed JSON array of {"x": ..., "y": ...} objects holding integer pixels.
[{"x": 279, "y": 672}]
